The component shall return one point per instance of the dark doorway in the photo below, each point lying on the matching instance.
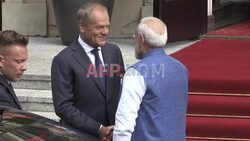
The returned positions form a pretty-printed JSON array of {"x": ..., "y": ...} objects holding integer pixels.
[
  {"x": 230, "y": 12},
  {"x": 185, "y": 19}
]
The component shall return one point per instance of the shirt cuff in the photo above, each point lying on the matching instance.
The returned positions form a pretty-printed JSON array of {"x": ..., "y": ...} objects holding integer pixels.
[{"x": 100, "y": 128}]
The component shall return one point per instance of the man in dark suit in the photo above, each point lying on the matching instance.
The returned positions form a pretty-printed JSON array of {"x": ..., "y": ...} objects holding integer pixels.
[
  {"x": 13, "y": 57},
  {"x": 85, "y": 93}
]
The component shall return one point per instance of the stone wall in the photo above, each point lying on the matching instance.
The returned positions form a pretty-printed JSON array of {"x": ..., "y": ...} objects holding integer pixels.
[
  {"x": 127, "y": 14},
  {"x": 52, "y": 27},
  {"x": 36, "y": 17},
  {"x": 26, "y": 17},
  {"x": 29, "y": 17}
]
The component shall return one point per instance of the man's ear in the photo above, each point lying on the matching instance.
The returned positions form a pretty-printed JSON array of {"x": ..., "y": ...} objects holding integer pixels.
[
  {"x": 142, "y": 42},
  {"x": 140, "y": 39},
  {"x": 81, "y": 27}
]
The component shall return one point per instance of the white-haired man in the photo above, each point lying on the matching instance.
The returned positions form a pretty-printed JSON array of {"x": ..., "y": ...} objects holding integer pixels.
[{"x": 153, "y": 101}]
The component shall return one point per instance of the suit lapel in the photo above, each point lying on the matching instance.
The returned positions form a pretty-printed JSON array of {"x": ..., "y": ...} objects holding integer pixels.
[
  {"x": 108, "y": 61},
  {"x": 82, "y": 58},
  {"x": 11, "y": 90},
  {"x": 14, "y": 96}
]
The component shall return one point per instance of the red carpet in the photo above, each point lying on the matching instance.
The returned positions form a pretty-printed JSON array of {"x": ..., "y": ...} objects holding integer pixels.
[
  {"x": 199, "y": 140},
  {"x": 241, "y": 30},
  {"x": 238, "y": 128},
  {"x": 206, "y": 140},
  {"x": 217, "y": 65},
  {"x": 219, "y": 89},
  {"x": 219, "y": 105}
]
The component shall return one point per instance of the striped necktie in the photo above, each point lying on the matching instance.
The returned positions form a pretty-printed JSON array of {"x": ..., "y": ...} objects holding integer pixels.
[{"x": 99, "y": 67}]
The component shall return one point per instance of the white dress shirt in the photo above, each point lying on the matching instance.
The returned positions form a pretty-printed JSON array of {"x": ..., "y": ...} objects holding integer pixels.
[
  {"x": 91, "y": 56},
  {"x": 88, "y": 50},
  {"x": 133, "y": 90}
]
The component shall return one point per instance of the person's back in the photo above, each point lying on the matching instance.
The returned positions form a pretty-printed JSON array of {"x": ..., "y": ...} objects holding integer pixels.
[{"x": 165, "y": 102}]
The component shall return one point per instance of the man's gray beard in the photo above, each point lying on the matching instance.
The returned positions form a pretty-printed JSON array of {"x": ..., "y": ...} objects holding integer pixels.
[{"x": 138, "y": 54}]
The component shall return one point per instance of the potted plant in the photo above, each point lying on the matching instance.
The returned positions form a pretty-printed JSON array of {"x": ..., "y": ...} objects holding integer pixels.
[{"x": 65, "y": 14}]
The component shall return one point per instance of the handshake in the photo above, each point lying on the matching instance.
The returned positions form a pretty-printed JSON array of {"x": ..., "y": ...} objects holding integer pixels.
[{"x": 106, "y": 133}]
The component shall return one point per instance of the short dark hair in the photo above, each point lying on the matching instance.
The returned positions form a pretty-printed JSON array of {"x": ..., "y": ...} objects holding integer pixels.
[
  {"x": 86, "y": 9},
  {"x": 11, "y": 37}
]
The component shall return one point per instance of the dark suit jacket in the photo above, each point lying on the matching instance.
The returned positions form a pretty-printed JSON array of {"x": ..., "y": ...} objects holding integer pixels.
[
  {"x": 7, "y": 95},
  {"x": 79, "y": 99}
]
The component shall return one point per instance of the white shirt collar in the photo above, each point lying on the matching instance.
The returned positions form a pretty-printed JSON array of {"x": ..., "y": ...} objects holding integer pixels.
[{"x": 85, "y": 46}]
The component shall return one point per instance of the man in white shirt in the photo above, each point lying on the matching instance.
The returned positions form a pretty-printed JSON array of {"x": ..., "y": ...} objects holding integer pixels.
[{"x": 153, "y": 101}]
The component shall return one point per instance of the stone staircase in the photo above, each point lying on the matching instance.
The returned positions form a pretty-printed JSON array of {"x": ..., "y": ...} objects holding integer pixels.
[{"x": 34, "y": 94}]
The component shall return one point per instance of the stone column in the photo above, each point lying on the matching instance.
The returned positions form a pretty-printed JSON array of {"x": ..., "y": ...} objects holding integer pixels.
[
  {"x": 210, "y": 20},
  {"x": 125, "y": 17},
  {"x": 147, "y": 8},
  {"x": 148, "y": 2},
  {"x": 52, "y": 25},
  {"x": 127, "y": 14}
]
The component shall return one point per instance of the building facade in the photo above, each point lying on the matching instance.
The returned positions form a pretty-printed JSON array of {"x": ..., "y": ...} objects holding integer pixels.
[{"x": 37, "y": 18}]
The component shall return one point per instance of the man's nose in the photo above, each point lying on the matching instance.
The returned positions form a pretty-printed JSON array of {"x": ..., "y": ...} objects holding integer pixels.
[
  {"x": 24, "y": 66},
  {"x": 105, "y": 30}
]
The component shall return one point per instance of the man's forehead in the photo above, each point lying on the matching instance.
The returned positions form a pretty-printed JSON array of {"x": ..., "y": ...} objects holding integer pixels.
[
  {"x": 99, "y": 17},
  {"x": 98, "y": 11}
]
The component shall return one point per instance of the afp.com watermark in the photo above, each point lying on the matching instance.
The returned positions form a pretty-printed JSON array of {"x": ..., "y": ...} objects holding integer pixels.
[{"x": 115, "y": 70}]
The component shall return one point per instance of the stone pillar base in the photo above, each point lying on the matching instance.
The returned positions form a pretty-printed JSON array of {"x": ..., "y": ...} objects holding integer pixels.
[{"x": 210, "y": 23}]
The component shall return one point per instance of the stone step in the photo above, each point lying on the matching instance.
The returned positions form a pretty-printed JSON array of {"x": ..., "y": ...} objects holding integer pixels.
[
  {"x": 37, "y": 82},
  {"x": 35, "y": 100}
]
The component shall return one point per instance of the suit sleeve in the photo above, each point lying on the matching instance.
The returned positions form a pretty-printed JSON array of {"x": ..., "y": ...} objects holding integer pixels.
[
  {"x": 121, "y": 63},
  {"x": 63, "y": 98}
]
